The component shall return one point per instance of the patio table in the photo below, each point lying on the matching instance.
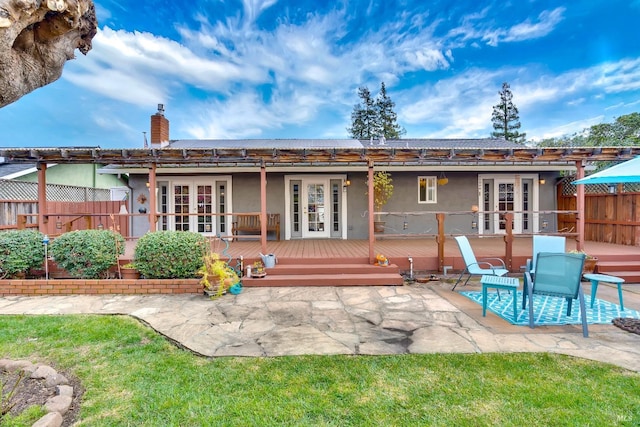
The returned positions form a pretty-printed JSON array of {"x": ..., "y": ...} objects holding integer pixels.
[
  {"x": 595, "y": 281},
  {"x": 499, "y": 282}
]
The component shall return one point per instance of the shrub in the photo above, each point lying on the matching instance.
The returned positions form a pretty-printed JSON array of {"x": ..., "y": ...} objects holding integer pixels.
[
  {"x": 87, "y": 254},
  {"x": 170, "y": 254},
  {"x": 20, "y": 251}
]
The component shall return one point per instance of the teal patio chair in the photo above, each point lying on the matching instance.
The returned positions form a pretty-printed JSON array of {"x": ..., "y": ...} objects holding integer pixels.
[
  {"x": 473, "y": 267},
  {"x": 554, "y": 244},
  {"x": 557, "y": 275}
]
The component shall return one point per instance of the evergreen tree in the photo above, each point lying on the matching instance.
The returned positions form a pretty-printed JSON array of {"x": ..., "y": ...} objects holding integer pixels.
[
  {"x": 387, "y": 117},
  {"x": 374, "y": 118},
  {"x": 505, "y": 117},
  {"x": 363, "y": 117}
]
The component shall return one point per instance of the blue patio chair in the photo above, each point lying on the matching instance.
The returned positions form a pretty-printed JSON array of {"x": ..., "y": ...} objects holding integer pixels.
[
  {"x": 554, "y": 244},
  {"x": 557, "y": 275},
  {"x": 473, "y": 267}
]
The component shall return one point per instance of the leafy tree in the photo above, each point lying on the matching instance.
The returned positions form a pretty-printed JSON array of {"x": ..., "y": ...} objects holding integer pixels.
[
  {"x": 387, "y": 117},
  {"x": 372, "y": 118},
  {"x": 625, "y": 130},
  {"x": 505, "y": 117}
]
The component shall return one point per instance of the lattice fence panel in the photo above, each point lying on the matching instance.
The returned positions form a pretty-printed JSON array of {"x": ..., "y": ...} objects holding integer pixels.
[
  {"x": 569, "y": 189},
  {"x": 18, "y": 190}
]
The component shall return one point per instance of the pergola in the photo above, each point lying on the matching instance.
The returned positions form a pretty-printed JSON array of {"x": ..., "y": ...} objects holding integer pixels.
[{"x": 393, "y": 153}]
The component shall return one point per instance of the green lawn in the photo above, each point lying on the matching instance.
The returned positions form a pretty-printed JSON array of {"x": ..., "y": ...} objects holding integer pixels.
[{"x": 134, "y": 377}]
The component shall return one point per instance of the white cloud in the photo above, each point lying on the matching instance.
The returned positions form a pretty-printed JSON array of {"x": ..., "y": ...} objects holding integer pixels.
[
  {"x": 547, "y": 21},
  {"x": 253, "y": 8},
  {"x": 123, "y": 64},
  {"x": 245, "y": 115},
  {"x": 620, "y": 76},
  {"x": 250, "y": 81},
  {"x": 461, "y": 106},
  {"x": 538, "y": 134}
]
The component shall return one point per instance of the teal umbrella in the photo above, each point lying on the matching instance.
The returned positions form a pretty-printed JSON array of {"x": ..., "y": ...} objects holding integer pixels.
[{"x": 628, "y": 171}]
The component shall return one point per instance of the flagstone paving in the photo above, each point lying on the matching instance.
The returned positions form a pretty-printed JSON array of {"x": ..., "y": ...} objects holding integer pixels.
[{"x": 424, "y": 318}]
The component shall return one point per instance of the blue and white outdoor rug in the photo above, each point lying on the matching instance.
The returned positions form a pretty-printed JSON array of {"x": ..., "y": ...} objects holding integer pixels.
[{"x": 550, "y": 310}]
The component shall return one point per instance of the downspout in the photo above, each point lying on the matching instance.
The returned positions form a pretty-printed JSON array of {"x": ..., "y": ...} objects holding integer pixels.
[
  {"x": 153, "y": 218},
  {"x": 43, "y": 217},
  {"x": 263, "y": 208},
  {"x": 580, "y": 206},
  {"x": 371, "y": 217}
]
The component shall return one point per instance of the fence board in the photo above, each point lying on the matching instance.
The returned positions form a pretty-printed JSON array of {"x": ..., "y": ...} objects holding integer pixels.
[
  {"x": 82, "y": 215},
  {"x": 609, "y": 218}
]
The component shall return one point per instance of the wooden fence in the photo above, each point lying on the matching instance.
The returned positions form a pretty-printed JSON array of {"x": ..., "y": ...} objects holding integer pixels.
[
  {"x": 68, "y": 216},
  {"x": 609, "y": 217}
]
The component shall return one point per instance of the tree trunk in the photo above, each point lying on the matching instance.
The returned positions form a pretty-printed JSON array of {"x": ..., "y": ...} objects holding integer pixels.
[{"x": 37, "y": 38}]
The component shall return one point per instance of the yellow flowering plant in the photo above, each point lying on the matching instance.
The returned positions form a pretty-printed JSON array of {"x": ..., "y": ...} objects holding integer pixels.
[{"x": 216, "y": 274}]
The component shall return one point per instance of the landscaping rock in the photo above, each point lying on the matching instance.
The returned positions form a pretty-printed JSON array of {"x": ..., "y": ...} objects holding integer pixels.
[
  {"x": 59, "y": 404},
  {"x": 52, "y": 419}
]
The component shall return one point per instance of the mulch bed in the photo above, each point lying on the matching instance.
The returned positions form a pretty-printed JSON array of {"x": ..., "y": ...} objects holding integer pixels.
[
  {"x": 628, "y": 324},
  {"x": 31, "y": 391}
]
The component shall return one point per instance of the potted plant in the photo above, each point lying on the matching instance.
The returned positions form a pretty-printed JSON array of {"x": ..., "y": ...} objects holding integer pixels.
[
  {"x": 217, "y": 275},
  {"x": 258, "y": 270},
  {"x": 129, "y": 271},
  {"x": 590, "y": 262},
  {"x": 382, "y": 192}
]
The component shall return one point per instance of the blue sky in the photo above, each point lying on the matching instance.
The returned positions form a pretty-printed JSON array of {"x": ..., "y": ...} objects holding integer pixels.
[{"x": 291, "y": 69}]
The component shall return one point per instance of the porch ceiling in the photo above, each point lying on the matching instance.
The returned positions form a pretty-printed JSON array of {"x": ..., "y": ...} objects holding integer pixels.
[{"x": 391, "y": 156}]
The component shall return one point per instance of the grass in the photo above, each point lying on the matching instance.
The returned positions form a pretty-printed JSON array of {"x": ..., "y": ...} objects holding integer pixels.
[{"x": 133, "y": 376}]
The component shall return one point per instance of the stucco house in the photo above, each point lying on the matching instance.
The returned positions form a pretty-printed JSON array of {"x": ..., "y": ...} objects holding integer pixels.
[
  {"x": 317, "y": 197},
  {"x": 319, "y": 189}
]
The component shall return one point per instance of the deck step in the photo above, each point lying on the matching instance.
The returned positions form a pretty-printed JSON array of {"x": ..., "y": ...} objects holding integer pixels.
[
  {"x": 299, "y": 269},
  {"x": 281, "y": 261},
  {"x": 350, "y": 279},
  {"x": 618, "y": 265},
  {"x": 307, "y": 273}
]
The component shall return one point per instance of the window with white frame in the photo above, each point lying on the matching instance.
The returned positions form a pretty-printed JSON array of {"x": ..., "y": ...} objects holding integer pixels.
[{"x": 427, "y": 189}]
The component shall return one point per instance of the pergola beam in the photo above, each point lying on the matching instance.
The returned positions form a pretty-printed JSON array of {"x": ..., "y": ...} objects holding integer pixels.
[{"x": 329, "y": 156}]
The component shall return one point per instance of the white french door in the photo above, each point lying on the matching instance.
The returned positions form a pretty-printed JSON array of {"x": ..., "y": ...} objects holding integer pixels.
[
  {"x": 507, "y": 198},
  {"x": 315, "y": 208},
  {"x": 197, "y": 205}
]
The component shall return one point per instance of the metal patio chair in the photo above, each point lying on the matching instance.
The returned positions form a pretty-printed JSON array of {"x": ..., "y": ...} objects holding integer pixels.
[
  {"x": 554, "y": 244},
  {"x": 475, "y": 267},
  {"x": 557, "y": 275}
]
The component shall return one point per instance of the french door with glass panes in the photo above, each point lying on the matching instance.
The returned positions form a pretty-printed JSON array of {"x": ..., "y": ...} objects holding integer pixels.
[
  {"x": 315, "y": 208},
  {"x": 507, "y": 198},
  {"x": 197, "y": 205}
]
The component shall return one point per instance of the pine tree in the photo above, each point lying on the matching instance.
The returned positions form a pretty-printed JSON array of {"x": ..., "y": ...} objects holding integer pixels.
[
  {"x": 386, "y": 116},
  {"x": 363, "y": 117},
  {"x": 505, "y": 117},
  {"x": 374, "y": 118}
]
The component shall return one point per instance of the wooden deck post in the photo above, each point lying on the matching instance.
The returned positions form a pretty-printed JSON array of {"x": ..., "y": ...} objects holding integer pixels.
[
  {"x": 42, "y": 198},
  {"x": 263, "y": 208},
  {"x": 372, "y": 236},
  {"x": 153, "y": 205},
  {"x": 508, "y": 240},
  {"x": 580, "y": 206},
  {"x": 440, "y": 238}
]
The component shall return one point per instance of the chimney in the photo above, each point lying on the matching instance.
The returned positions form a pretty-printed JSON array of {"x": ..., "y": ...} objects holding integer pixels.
[{"x": 159, "y": 128}]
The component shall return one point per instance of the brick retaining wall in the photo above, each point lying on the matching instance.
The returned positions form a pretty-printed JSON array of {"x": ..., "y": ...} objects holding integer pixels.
[{"x": 95, "y": 286}]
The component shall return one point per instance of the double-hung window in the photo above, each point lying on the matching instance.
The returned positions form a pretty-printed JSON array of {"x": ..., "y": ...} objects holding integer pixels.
[{"x": 427, "y": 189}]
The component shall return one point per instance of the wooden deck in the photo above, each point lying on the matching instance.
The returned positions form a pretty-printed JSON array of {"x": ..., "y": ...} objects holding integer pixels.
[
  {"x": 483, "y": 247},
  {"x": 423, "y": 252}
]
